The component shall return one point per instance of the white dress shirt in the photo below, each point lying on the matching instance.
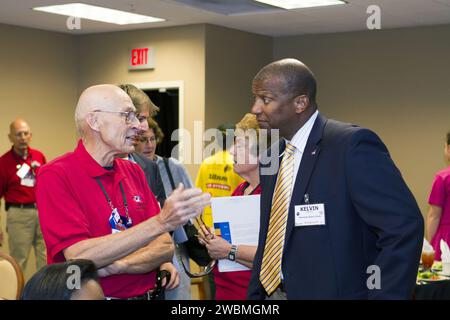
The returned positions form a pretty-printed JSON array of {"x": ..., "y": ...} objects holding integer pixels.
[{"x": 299, "y": 142}]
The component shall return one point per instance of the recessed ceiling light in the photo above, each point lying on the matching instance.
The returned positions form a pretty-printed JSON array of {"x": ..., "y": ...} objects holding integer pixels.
[
  {"x": 85, "y": 11},
  {"x": 297, "y": 4}
]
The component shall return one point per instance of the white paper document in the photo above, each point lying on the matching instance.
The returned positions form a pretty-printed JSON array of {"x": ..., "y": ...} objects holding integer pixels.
[{"x": 236, "y": 219}]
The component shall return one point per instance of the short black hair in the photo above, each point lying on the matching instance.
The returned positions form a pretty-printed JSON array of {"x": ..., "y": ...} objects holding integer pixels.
[
  {"x": 51, "y": 282},
  {"x": 298, "y": 78}
]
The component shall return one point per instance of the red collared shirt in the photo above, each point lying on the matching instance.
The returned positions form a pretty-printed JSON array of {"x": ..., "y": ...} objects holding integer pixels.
[
  {"x": 72, "y": 208},
  {"x": 10, "y": 186}
]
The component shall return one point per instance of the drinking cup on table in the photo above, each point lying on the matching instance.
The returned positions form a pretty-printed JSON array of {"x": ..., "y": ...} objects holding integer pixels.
[{"x": 427, "y": 259}]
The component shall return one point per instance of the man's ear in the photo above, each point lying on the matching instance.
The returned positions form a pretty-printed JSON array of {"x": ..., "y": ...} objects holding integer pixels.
[
  {"x": 10, "y": 138},
  {"x": 301, "y": 103},
  {"x": 92, "y": 121}
]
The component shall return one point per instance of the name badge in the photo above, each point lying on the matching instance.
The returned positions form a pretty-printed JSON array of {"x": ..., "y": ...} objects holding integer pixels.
[
  {"x": 23, "y": 171},
  {"x": 310, "y": 215},
  {"x": 28, "y": 182},
  {"x": 118, "y": 222}
]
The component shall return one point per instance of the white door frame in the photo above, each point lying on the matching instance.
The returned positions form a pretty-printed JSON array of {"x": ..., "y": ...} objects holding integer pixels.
[{"x": 178, "y": 84}]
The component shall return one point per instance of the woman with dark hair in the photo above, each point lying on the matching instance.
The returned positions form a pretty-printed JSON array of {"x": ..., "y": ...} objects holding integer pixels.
[
  {"x": 145, "y": 109},
  {"x": 438, "y": 218},
  {"x": 172, "y": 173},
  {"x": 70, "y": 280}
]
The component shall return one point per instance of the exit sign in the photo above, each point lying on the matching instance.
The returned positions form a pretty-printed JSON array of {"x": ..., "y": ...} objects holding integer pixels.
[{"x": 141, "y": 58}]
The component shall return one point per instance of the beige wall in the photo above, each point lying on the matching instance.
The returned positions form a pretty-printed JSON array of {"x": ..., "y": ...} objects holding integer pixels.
[
  {"x": 179, "y": 55},
  {"x": 232, "y": 59},
  {"x": 216, "y": 65},
  {"x": 395, "y": 82},
  {"x": 39, "y": 83}
]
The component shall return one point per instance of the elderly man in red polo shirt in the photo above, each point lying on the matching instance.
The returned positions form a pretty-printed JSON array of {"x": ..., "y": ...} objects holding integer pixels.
[
  {"x": 96, "y": 206},
  {"x": 18, "y": 169}
]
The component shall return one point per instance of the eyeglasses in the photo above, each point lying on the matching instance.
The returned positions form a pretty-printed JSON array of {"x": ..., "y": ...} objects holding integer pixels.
[
  {"x": 21, "y": 134},
  {"x": 130, "y": 116},
  {"x": 147, "y": 139},
  {"x": 205, "y": 270}
]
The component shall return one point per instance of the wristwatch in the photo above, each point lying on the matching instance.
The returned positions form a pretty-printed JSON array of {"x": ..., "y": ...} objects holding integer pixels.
[{"x": 232, "y": 253}]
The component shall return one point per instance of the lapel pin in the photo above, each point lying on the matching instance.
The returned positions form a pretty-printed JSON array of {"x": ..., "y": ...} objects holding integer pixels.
[
  {"x": 306, "y": 198},
  {"x": 313, "y": 153}
]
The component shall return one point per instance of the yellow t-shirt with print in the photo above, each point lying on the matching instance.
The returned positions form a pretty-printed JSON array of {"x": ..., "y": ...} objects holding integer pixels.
[{"x": 216, "y": 176}]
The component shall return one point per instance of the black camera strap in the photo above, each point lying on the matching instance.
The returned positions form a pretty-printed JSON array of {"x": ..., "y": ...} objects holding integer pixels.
[{"x": 169, "y": 173}]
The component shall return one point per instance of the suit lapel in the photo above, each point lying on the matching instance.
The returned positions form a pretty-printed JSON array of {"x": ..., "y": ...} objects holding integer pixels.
[{"x": 305, "y": 170}]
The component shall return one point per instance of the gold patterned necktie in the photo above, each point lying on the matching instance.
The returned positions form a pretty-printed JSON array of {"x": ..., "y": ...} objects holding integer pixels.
[{"x": 270, "y": 275}]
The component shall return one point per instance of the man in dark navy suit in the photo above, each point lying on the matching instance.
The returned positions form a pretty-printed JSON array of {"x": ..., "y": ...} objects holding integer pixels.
[{"x": 337, "y": 219}]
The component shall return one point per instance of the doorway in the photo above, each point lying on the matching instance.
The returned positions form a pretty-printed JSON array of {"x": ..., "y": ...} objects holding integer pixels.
[
  {"x": 168, "y": 96},
  {"x": 167, "y": 117}
]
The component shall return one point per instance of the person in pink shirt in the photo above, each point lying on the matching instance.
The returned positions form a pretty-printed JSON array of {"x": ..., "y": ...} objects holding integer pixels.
[{"x": 438, "y": 218}]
